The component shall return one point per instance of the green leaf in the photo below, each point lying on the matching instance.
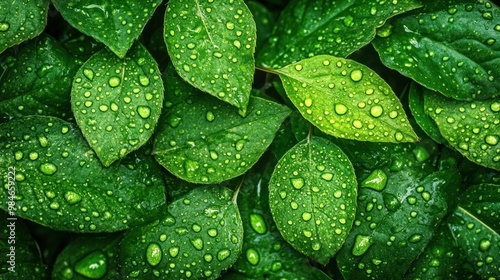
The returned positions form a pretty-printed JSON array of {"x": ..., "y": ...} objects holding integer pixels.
[
  {"x": 79, "y": 45},
  {"x": 117, "y": 102},
  {"x": 475, "y": 227},
  {"x": 204, "y": 140},
  {"x": 36, "y": 79},
  {"x": 448, "y": 46},
  {"x": 89, "y": 257},
  {"x": 264, "y": 21},
  {"x": 312, "y": 196},
  {"x": 346, "y": 99},
  {"x": 21, "y": 20},
  {"x": 211, "y": 45},
  {"x": 472, "y": 128},
  {"x": 327, "y": 27},
  {"x": 60, "y": 183},
  {"x": 115, "y": 23},
  {"x": 199, "y": 237}
]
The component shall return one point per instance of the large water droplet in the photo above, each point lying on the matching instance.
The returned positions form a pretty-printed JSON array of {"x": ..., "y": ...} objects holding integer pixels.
[
  {"x": 143, "y": 80},
  {"x": 391, "y": 202},
  {"x": 197, "y": 244},
  {"x": 4, "y": 26},
  {"x": 223, "y": 254},
  {"x": 72, "y": 197},
  {"x": 340, "y": 109},
  {"x": 48, "y": 168},
  {"x": 114, "y": 81},
  {"x": 173, "y": 251},
  {"x": 252, "y": 256},
  {"x": 361, "y": 244},
  {"x": 356, "y": 75},
  {"x": 297, "y": 183},
  {"x": 93, "y": 266},
  {"x": 154, "y": 254},
  {"x": 144, "y": 111},
  {"x": 258, "y": 224},
  {"x": 376, "y": 180},
  {"x": 88, "y": 73}
]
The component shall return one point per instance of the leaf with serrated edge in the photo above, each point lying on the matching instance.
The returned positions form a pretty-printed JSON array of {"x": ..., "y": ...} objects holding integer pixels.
[
  {"x": 448, "y": 46},
  {"x": 472, "y": 128},
  {"x": 199, "y": 237},
  {"x": 115, "y": 23},
  {"x": 206, "y": 141},
  {"x": 327, "y": 27},
  {"x": 211, "y": 44},
  {"x": 346, "y": 99},
  {"x": 312, "y": 196},
  {"x": 61, "y": 184},
  {"x": 117, "y": 102}
]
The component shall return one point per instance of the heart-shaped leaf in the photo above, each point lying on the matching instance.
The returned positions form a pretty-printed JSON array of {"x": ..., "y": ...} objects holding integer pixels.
[
  {"x": 211, "y": 44},
  {"x": 199, "y": 237},
  {"x": 448, "y": 46},
  {"x": 117, "y": 102},
  {"x": 346, "y": 99},
  {"x": 312, "y": 196},
  {"x": 115, "y": 23},
  {"x": 60, "y": 183}
]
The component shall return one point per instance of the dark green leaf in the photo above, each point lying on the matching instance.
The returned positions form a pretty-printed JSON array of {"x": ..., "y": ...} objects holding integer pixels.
[
  {"x": 335, "y": 28},
  {"x": 60, "y": 183},
  {"x": 36, "y": 79},
  {"x": 199, "y": 237},
  {"x": 117, "y": 102},
  {"x": 204, "y": 140},
  {"x": 312, "y": 196},
  {"x": 448, "y": 46},
  {"x": 264, "y": 20},
  {"x": 346, "y": 99},
  {"x": 211, "y": 44},
  {"x": 115, "y": 23},
  {"x": 21, "y": 20},
  {"x": 79, "y": 45}
]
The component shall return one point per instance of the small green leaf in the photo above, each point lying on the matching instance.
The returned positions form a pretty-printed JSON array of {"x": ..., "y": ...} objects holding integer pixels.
[
  {"x": 448, "y": 46},
  {"x": 199, "y": 237},
  {"x": 472, "y": 128},
  {"x": 21, "y": 20},
  {"x": 36, "y": 79},
  {"x": 60, "y": 183},
  {"x": 327, "y": 27},
  {"x": 204, "y": 140},
  {"x": 117, "y": 102},
  {"x": 346, "y": 99},
  {"x": 211, "y": 44},
  {"x": 115, "y": 23},
  {"x": 312, "y": 196}
]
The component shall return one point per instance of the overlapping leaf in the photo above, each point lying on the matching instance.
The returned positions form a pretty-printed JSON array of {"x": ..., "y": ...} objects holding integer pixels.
[
  {"x": 346, "y": 99},
  {"x": 60, "y": 183},
  {"x": 211, "y": 44}
]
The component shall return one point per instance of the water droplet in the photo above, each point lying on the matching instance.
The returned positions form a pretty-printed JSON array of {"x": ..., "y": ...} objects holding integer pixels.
[
  {"x": 391, "y": 202},
  {"x": 487, "y": 15},
  {"x": 93, "y": 266},
  {"x": 298, "y": 67},
  {"x": 327, "y": 176},
  {"x": 356, "y": 75},
  {"x": 240, "y": 144},
  {"x": 4, "y": 26},
  {"x": 306, "y": 216},
  {"x": 376, "y": 111},
  {"x": 361, "y": 244},
  {"x": 154, "y": 254},
  {"x": 316, "y": 246},
  {"x": 491, "y": 139},
  {"x": 340, "y": 109},
  {"x": 337, "y": 194},
  {"x": 212, "y": 232},
  {"x": 297, "y": 183},
  {"x": 48, "y": 168},
  {"x": 398, "y": 136},
  {"x": 210, "y": 116},
  {"x": 173, "y": 251},
  {"x": 252, "y": 256},
  {"x": 376, "y": 180},
  {"x": 258, "y": 224},
  {"x": 54, "y": 205},
  {"x": 103, "y": 108},
  {"x": 143, "y": 80},
  {"x": 174, "y": 121},
  {"x": 415, "y": 238},
  {"x": 484, "y": 245},
  {"x": 308, "y": 102},
  {"x": 114, "y": 81},
  {"x": 197, "y": 244},
  {"x": 230, "y": 25},
  {"x": 144, "y": 111},
  {"x": 223, "y": 254},
  {"x": 72, "y": 197}
]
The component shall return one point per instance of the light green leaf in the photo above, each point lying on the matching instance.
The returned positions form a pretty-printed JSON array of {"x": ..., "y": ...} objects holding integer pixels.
[
  {"x": 448, "y": 46},
  {"x": 199, "y": 237},
  {"x": 312, "y": 196},
  {"x": 211, "y": 44},
  {"x": 117, "y": 102},
  {"x": 346, "y": 99},
  {"x": 115, "y": 23},
  {"x": 472, "y": 128},
  {"x": 204, "y": 140},
  {"x": 60, "y": 183},
  {"x": 326, "y": 27},
  {"x": 21, "y": 20}
]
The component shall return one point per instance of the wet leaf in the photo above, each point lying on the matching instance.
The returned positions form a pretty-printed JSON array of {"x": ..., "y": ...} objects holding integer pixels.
[
  {"x": 312, "y": 196},
  {"x": 79, "y": 45},
  {"x": 200, "y": 236},
  {"x": 115, "y": 23},
  {"x": 21, "y": 20},
  {"x": 264, "y": 21},
  {"x": 204, "y": 140},
  {"x": 36, "y": 79},
  {"x": 61, "y": 184},
  {"x": 472, "y": 128},
  {"x": 448, "y": 46},
  {"x": 117, "y": 102},
  {"x": 211, "y": 44},
  {"x": 346, "y": 99},
  {"x": 334, "y": 28}
]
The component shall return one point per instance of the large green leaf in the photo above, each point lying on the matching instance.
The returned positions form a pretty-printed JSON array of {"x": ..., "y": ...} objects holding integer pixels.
[
  {"x": 60, "y": 183},
  {"x": 115, "y": 23},
  {"x": 21, "y": 20},
  {"x": 117, "y": 102},
  {"x": 327, "y": 27},
  {"x": 199, "y": 237},
  {"x": 204, "y": 140},
  {"x": 346, "y": 99},
  {"x": 36, "y": 79},
  {"x": 471, "y": 127},
  {"x": 448, "y": 46},
  {"x": 312, "y": 196},
  {"x": 211, "y": 44}
]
